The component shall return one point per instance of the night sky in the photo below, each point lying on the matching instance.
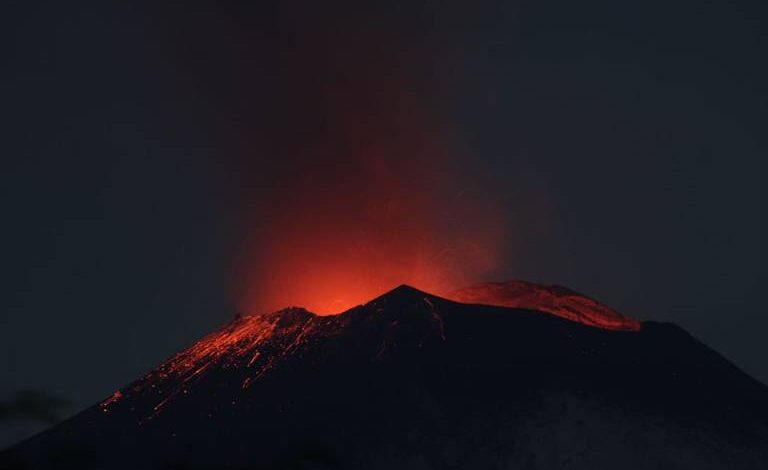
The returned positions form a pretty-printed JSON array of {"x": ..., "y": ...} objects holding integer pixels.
[{"x": 164, "y": 166}]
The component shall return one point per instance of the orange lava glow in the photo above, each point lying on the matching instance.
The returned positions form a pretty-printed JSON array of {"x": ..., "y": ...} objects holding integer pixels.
[
  {"x": 328, "y": 257},
  {"x": 367, "y": 196},
  {"x": 555, "y": 300}
]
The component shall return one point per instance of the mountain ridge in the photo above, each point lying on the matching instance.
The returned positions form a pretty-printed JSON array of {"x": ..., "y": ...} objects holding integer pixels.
[
  {"x": 413, "y": 380},
  {"x": 552, "y": 299}
]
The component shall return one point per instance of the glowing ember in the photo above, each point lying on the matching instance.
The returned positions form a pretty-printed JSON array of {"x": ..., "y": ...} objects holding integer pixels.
[
  {"x": 118, "y": 395},
  {"x": 238, "y": 345}
]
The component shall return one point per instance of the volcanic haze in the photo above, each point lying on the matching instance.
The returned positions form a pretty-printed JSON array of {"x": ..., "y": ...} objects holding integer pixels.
[{"x": 363, "y": 194}]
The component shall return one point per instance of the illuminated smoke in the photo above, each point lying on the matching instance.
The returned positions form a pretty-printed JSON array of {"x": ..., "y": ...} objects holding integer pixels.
[{"x": 361, "y": 192}]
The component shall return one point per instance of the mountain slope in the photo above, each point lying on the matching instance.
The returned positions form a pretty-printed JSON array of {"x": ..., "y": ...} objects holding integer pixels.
[{"x": 411, "y": 380}]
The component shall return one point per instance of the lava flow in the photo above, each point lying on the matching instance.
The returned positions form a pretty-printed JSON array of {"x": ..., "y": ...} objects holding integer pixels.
[
  {"x": 556, "y": 300},
  {"x": 239, "y": 344}
]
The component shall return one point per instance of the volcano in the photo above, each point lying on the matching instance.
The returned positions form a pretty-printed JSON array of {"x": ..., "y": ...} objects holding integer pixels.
[{"x": 504, "y": 376}]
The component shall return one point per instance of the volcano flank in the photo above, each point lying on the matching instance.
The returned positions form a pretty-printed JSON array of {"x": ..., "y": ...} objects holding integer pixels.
[{"x": 510, "y": 375}]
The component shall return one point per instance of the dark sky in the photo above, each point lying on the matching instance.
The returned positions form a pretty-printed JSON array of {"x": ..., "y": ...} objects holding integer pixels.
[{"x": 622, "y": 147}]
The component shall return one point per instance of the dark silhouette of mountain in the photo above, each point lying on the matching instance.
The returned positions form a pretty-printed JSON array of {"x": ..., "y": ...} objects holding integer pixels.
[{"x": 414, "y": 381}]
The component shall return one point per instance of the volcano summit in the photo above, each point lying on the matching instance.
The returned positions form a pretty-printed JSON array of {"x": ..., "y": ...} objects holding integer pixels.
[{"x": 544, "y": 379}]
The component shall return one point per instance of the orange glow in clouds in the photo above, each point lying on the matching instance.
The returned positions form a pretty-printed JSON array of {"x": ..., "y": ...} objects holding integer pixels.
[
  {"x": 367, "y": 195},
  {"x": 329, "y": 248}
]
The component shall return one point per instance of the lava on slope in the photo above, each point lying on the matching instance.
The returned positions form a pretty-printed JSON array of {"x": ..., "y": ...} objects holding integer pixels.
[
  {"x": 254, "y": 344},
  {"x": 553, "y": 299}
]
